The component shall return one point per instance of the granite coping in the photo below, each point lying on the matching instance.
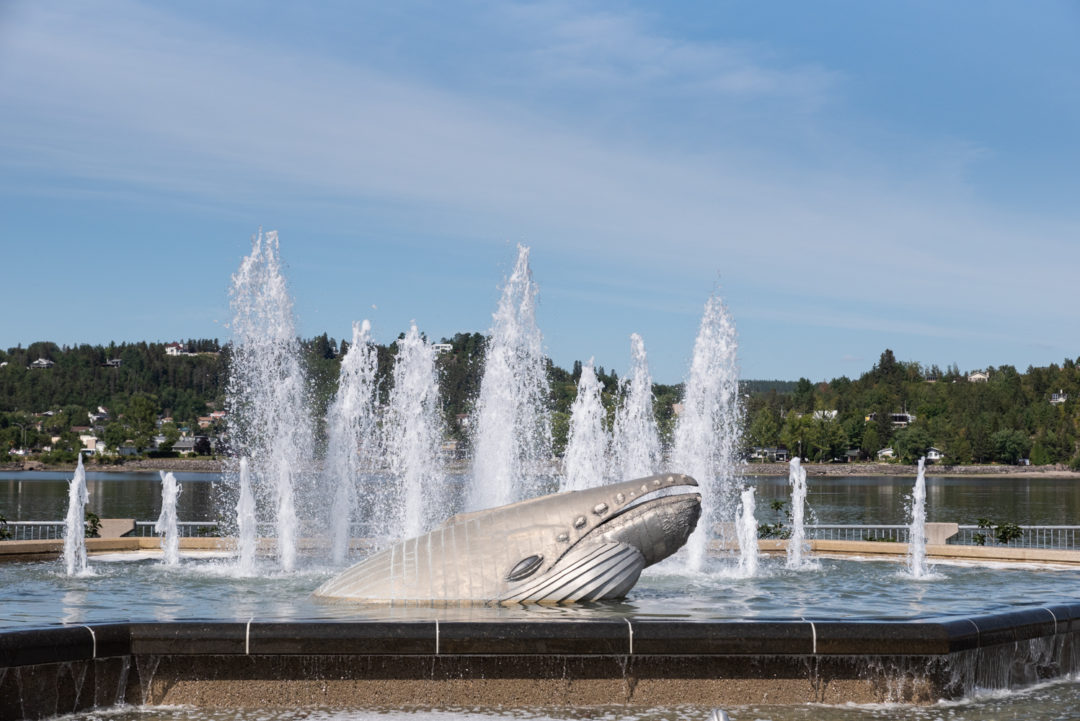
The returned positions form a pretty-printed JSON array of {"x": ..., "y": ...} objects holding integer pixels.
[{"x": 593, "y": 637}]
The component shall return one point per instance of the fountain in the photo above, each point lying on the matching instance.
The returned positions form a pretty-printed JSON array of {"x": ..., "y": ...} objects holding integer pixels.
[
  {"x": 166, "y": 522},
  {"x": 635, "y": 440},
  {"x": 415, "y": 497},
  {"x": 512, "y": 430},
  {"x": 268, "y": 420},
  {"x": 352, "y": 441},
  {"x": 917, "y": 567},
  {"x": 747, "y": 530},
  {"x": 246, "y": 523},
  {"x": 125, "y": 638},
  {"x": 796, "y": 545},
  {"x": 74, "y": 525},
  {"x": 585, "y": 463},
  {"x": 707, "y": 431}
]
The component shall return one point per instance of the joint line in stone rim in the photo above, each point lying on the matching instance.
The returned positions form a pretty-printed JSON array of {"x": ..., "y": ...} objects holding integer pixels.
[
  {"x": 247, "y": 637},
  {"x": 630, "y": 626},
  {"x": 1053, "y": 617},
  {"x": 436, "y": 637},
  {"x": 93, "y": 641},
  {"x": 813, "y": 635}
]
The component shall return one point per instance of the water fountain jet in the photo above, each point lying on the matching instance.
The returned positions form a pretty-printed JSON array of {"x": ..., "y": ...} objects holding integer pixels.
[
  {"x": 635, "y": 440},
  {"x": 74, "y": 524},
  {"x": 585, "y": 461},
  {"x": 166, "y": 522}
]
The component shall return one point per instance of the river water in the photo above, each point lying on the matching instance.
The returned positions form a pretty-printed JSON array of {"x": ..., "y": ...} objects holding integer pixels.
[{"x": 42, "y": 496}]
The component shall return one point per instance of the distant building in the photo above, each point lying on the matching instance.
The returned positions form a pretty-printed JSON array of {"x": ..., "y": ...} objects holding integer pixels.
[
  {"x": 114, "y": 363},
  {"x": 42, "y": 363},
  {"x": 218, "y": 415},
  {"x": 934, "y": 454},
  {"x": 825, "y": 415},
  {"x": 885, "y": 453},
  {"x": 898, "y": 420},
  {"x": 1059, "y": 397},
  {"x": 441, "y": 348},
  {"x": 175, "y": 349},
  {"x": 978, "y": 377}
]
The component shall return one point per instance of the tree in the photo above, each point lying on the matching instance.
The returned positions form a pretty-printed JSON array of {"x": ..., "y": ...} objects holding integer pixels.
[
  {"x": 1010, "y": 445},
  {"x": 172, "y": 435},
  {"x": 140, "y": 417},
  {"x": 911, "y": 443},
  {"x": 764, "y": 430}
]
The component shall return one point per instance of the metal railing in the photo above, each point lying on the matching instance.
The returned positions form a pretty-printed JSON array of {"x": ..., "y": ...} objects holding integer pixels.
[
  {"x": 846, "y": 532},
  {"x": 1063, "y": 537},
  {"x": 35, "y": 530},
  {"x": 184, "y": 529}
]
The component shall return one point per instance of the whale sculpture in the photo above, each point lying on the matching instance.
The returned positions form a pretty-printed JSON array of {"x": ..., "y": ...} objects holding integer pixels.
[{"x": 576, "y": 546}]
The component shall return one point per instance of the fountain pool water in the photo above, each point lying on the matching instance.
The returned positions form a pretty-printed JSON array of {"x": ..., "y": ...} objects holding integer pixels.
[{"x": 138, "y": 587}]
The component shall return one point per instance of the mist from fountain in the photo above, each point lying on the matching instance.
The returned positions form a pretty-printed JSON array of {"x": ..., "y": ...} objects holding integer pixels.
[
  {"x": 166, "y": 522},
  {"x": 352, "y": 449},
  {"x": 585, "y": 463},
  {"x": 917, "y": 567},
  {"x": 413, "y": 431},
  {"x": 796, "y": 544},
  {"x": 267, "y": 400},
  {"x": 635, "y": 443},
  {"x": 747, "y": 530},
  {"x": 74, "y": 524},
  {"x": 707, "y": 431},
  {"x": 512, "y": 425},
  {"x": 246, "y": 523}
]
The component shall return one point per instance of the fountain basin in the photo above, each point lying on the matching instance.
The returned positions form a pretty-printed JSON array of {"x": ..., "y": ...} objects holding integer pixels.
[{"x": 48, "y": 671}]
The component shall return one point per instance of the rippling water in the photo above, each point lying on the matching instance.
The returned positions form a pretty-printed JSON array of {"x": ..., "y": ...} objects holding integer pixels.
[{"x": 205, "y": 588}]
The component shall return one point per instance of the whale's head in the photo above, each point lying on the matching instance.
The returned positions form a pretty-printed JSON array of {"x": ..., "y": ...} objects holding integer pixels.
[{"x": 574, "y": 546}]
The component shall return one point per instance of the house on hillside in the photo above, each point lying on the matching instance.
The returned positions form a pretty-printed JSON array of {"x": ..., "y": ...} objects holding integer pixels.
[
  {"x": 1059, "y": 397},
  {"x": 934, "y": 455},
  {"x": 114, "y": 363},
  {"x": 441, "y": 348},
  {"x": 42, "y": 363},
  {"x": 885, "y": 454},
  {"x": 175, "y": 349},
  {"x": 978, "y": 377}
]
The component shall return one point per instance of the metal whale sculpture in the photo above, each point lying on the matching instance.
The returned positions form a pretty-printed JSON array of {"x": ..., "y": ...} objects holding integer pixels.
[{"x": 575, "y": 546}]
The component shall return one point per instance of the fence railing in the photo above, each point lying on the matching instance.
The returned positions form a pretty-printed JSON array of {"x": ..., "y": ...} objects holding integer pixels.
[
  {"x": 1061, "y": 537},
  {"x": 866, "y": 532}
]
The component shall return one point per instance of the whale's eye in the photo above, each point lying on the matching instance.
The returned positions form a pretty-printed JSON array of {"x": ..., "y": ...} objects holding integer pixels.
[{"x": 525, "y": 568}]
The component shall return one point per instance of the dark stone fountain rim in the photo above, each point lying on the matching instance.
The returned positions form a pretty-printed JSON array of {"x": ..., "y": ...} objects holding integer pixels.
[{"x": 578, "y": 637}]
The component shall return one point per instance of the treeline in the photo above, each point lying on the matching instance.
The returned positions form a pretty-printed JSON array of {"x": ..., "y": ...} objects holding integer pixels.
[{"x": 1007, "y": 417}]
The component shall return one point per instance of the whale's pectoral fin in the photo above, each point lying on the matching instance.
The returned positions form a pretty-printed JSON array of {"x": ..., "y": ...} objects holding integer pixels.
[{"x": 590, "y": 572}]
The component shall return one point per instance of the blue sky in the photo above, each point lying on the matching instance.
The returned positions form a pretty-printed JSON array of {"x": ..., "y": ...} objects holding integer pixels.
[{"x": 849, "y": 176}]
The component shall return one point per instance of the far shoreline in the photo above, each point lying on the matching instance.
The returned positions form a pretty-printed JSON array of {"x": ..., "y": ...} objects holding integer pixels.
[{"x": 819, "y": 470}]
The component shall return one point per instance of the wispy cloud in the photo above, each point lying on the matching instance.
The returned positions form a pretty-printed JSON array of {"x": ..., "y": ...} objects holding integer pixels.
[{"x": 136, "y": 99}]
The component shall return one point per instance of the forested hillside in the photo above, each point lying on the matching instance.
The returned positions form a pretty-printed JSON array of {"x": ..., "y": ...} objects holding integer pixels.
[{"x": 902, "y": 405}]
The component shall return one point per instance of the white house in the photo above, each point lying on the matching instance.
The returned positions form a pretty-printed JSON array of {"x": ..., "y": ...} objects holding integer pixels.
[
  {"x": 441, "y": 348},
  {"x": 175, "y": 349},
  {"x": 1059, "y": 397},
  {"x": 978, "y": 377},
  {"x": 42, "y": 363},
  {"x": 934, "y": 454},
  {"x": 886, "y": 453}
]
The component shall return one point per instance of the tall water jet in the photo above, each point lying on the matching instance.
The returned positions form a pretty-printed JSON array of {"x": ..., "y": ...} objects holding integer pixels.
[
  {"x": 246, "y": 523},
  {"x": 267, "y": 402},
  {"x": 166, "y": 523},
  {"x": 74, "y": 524},
  {"x": 585, "y": 462},
  {"x": 747, "y": 531},
  {"x": 797, "y": 540},
  {"x": 635, "y": 439},
  {"x": 707, "y": 431},
  {"x": 352, "y": 436},
  {"x": 512, "y": 427},
  {"x": 413, "y": 430},
  {"x": 917, "y": 531}
]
